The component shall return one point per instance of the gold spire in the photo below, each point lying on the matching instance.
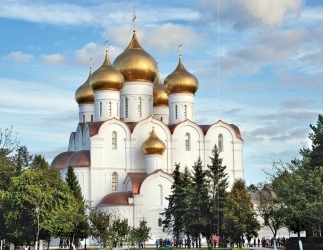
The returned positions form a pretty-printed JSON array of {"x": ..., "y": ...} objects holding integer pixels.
[
  {"x": 160, "y": 97},
  {"x": 180, "y": 80},
  {"x": 133, "y": 21},
  {"x": 106, "y": 77},
  {"x": 135, "y": 64},
  {"x": 84, "y": 94},
  {"x": 153, "y": 145}
]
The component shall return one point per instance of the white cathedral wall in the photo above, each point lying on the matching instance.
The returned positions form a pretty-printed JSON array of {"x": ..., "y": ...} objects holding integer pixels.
[
  {"x": 106, "y": 97},
  {"x": 86, "y": 112},
  {"x": 151, "y": 202},
  {"x": 179, "y": 153},
  {"x": 161, "y": 113},
  {"x": 182, "y": 101}
]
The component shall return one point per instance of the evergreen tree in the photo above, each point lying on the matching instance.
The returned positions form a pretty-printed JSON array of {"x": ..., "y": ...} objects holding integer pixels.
[
  {"x": 316, "y": 154},
  {"x": 81, "y": 227},
  {"x": 218, "y": 185}
]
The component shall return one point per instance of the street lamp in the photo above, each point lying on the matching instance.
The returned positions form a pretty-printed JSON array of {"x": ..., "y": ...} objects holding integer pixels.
[{"x": 37, "y": 210}]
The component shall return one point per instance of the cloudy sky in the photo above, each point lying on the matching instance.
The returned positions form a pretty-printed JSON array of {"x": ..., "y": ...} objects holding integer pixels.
[{"x": 259, "y": 64}]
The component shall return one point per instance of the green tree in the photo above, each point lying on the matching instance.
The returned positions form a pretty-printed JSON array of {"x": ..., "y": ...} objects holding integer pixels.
[
  {"x": 22, "y": 159},
  {"x": 121, "y": 230},
  {"x": 316, "y": 154},
  {"x": 101, "y": 227},
  {"x": 218, "y": 185},
  {"x": 141, "y": 233},
  {"x": 174, "y": 214},
  {"x": 239, "y": 215},
  {"x": 81, "y": 226}
]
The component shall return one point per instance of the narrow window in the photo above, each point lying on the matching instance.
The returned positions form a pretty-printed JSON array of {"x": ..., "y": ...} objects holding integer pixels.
[
  {"x": 83, "y": 117},
  {"x": 114, "y": 181},
  {"x": 110, "y": 109},
  {"x": 100, "y": 109},
  {"x": 91, "y": 118},
  {"x": 126, "y": 106},
  {"x": 220, "y": 143},
  {"x": 114, "y": 140},
  {"x": 139, "y": 107},
  {"x": 176, "y": 111},
  {"x": 160, "y": 195},
  {"x": 160, "y": 222},
  {"x": 187, "y": 142},
  {"x": 185, "y": 111},
  {"x": 161, "y": 118}
]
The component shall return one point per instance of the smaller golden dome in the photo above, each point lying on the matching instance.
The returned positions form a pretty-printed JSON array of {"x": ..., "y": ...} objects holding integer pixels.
[
  {"x": 159, "y": 93},
  {"x": 106, "y": 77},
  {"x": 153, "y": 145},
  {"x": 181, "y": 81},
  {"x": 135, "y": 64},
  {"x": 84, "y": 94}
]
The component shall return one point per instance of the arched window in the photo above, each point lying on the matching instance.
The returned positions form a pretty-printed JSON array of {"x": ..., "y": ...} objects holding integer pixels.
[
  {"x": 176, "y": 111},
  {"x": 185, "y": 111},
  {"x": 110, "y": 111},
  {"x": 100, "y": 108},
  {"x": 187, "y": 142},
  {"x": 160, "y": 222},
  {"x": 91, "y": 118},
  {"x": 83, "y": 118},
  {"x": 139, "y": 107},
  {"x": 126, "y": 106},
  {"x": 114, "y": 140},
  {"x": 161, "y": 118},
  {"x": 114, "y": 181},
  {"x": 160, "y": 195},
  {"x": 220, "y": 143}
]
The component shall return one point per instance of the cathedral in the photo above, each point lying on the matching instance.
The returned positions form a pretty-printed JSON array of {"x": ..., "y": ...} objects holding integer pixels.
[{"x": 131, "y": 132}]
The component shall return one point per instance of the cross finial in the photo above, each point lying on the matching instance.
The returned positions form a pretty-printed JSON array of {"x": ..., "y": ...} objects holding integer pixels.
[
  {"x": 106, "y": 45},
  {"x": 90, "y": 63},
  {"x": 180, "y": 48},
  {"x": 133, "y": 20}
]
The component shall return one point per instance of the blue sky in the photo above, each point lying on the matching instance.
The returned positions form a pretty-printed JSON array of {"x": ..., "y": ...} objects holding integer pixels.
[{"x": 258, "y": 62}]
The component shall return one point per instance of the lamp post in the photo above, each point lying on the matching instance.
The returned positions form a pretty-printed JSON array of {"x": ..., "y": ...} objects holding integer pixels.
[{"x": 37, "y": 210}]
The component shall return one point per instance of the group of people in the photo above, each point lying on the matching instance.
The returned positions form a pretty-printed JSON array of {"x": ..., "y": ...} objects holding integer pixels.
[
  {"x": 64, "y": 243},
  {"x": 180, "y": 243},
  {"x": 270, "y": 242}
]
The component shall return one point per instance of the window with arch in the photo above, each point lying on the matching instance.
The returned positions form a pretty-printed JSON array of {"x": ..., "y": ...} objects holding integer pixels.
[
  {"x": 187, "y": 142},
  {"x": 160, "y": 195},
  {"x": 100, "y": 108},
  {"x": 114, "y": 140},
  {"x": 139, "y": 106},
  {"x": 83, "y": 118},
  {"x": 160, "y": 222},
  {"x": 176, "y": 111},
  {"x": 185, "y": 111},
  {"x": 161, "y": 118},
  {"x": 110, "y": 109},
  {"x": 91, "y": 118},
  {"x": 114, "y": 181},
  {"x": 126, "y": 106},
  {"x": 220, "y": 143}
]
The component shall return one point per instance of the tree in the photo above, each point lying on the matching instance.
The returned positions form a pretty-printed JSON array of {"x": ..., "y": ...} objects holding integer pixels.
[
  {"x": 199, "y": 203},
  {"x": 271, "y": 209},
  {"x": 22, "y": 159},
  {"x": 35, "y": 201},
  {"x": 101, "y": 227},
  {"x": 141, "y": 233},
  {"x": 316, "y": 154},
  {"x": 8, "y": 143},
  {"x": 175, "y": 212},
  {"x": 218, "y": 185},
  {"x": 81, "y": 226},
  {"x": 122, "y": 230},
  {"x": 239, "y": 216}
]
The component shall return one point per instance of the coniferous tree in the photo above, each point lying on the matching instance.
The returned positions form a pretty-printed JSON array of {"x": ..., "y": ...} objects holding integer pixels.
[
  {"x": 316, "y": 154},
  {"x": 81, "y": 227},
  {"x": 218, "y": 185}
]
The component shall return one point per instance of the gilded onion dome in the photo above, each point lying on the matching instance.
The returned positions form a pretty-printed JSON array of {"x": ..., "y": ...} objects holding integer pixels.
[
  {"x": 159, "y": 93},
  {"x": 135, "y": 64},
  {"x": 84, "y": 94},
  {"x": 106, "y": 77},
  {"x": 181, "y": 81},
  {"x": 153, "y": 145}
]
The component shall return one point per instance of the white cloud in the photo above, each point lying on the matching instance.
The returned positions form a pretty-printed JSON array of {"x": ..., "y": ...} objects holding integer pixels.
[
  {"x": 53, "y": 59},
  {"x": 18, "y": 57}
]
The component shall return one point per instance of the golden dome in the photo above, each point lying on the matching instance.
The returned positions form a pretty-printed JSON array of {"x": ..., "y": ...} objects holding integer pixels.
[
  {"x": 159, "y": 93},
  {"x": 84, "y": 94},
  {"x": 153, "y": 145},
  {"x": 135, "y": 64},
  {"x": 107, "y": 77},
  {"x": 181, "y": 81}
]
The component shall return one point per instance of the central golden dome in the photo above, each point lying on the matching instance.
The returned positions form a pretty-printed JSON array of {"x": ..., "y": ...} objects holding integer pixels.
[
  {"x": 84, "y": 94},
  {"x": 153, "y": 145},
  {"x": 181, "y": 81},
  {"x": 159, "y": 93},
  {"x": 135, "y": 64},
  {"x": 106, "y": 77}
]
